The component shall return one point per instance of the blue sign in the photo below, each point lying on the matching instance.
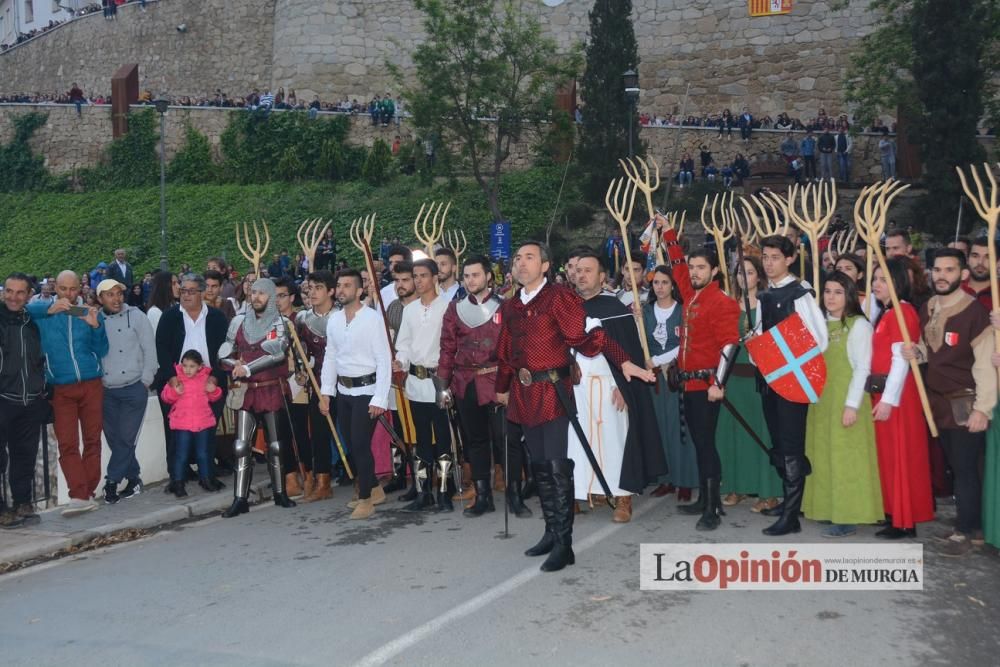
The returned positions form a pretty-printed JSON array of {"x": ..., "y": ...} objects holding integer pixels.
[{"x": 500, "y": 240}]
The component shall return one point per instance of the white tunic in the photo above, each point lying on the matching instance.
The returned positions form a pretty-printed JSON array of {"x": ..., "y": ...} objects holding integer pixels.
[{"x": 605, "y": 427}]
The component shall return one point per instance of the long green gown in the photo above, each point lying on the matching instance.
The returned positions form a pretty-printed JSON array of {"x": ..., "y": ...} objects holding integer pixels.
[
  {"x": 745, "y": 468},
  {"x": 991, "y": 483},
  {"x": 844, "y": 486}
]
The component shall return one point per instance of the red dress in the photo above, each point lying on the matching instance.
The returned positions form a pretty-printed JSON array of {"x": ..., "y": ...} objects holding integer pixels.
[{"x": 903, "y": 460}]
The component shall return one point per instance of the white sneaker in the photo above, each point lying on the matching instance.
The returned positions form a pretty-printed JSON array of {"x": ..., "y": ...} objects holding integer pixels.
[{"x": 78, "y": 507}]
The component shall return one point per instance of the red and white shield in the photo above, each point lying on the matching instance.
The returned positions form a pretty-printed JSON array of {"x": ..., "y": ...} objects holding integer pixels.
[
  {"x": 951, "y": 338},
  {"x": 790, "y": 360}
]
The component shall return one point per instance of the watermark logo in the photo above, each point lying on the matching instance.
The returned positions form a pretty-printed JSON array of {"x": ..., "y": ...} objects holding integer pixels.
[{"x": 799, "y": 567}]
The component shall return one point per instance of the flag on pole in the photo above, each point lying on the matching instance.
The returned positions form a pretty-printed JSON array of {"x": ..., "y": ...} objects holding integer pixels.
[{"x": 770, "y": 7}]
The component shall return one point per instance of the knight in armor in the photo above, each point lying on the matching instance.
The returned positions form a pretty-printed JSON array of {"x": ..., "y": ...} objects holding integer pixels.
[
  {"x": 467, "y": 375},
  {"x": 709, "y": 338},
  {"x": 786, "y": 420},
  {"x": 254, "y": 353}
]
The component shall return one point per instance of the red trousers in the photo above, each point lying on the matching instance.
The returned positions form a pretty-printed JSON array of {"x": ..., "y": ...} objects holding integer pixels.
[{"x": 79, "y": 406}]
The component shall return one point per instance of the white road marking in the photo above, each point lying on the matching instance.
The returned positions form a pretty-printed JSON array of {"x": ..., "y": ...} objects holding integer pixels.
[{"x": 392, "y": 649}]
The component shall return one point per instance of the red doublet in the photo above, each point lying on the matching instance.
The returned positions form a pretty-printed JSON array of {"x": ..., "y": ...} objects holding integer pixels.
[
  {"x": 538, "y": 336},
  {"x": 465, "y": 350},
  {"x": 711, "y": 319},
  {"x": 261, "y": 399}
]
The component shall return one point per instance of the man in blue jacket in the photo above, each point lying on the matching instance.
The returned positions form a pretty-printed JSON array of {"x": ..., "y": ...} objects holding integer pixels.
[{"x": 74, "y": 342}]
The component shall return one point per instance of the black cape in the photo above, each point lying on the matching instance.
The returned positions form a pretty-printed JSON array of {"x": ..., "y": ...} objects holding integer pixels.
[{"x": 644, "y": 461}]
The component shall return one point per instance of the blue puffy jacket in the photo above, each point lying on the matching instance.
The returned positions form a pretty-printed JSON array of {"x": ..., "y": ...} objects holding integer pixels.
[{"x": 73, "y": 349}]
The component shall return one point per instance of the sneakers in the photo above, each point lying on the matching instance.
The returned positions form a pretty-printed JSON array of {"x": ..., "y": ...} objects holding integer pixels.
[
  {"x": 10, "y": 519},
  {"x": 177, "y": 488},
  {"x": 111, "y": 496},
  {"x": 27, "y": 512},
  {"x": 77, "y": 507},
  {"x": 132, "y": 489},
  {"x": 839, "y": 530}
]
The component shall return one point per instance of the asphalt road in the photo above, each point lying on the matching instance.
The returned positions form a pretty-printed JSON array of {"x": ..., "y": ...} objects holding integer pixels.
[{"x": 307, "y": 587}]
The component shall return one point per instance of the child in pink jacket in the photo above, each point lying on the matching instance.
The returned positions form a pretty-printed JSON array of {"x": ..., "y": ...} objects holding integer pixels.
[{"x": 192, "y": 421}]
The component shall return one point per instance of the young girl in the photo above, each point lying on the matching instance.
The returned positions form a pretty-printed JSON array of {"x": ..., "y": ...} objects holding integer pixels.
[{"x": 192, "y": 421}]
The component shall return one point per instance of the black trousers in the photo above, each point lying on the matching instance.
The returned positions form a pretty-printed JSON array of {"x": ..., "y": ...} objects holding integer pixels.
[
  {"x": 21, "y": 426},
  {"x": 312, "y": 433},
  {"x": 356, "y": 427},
  {"x": 786, "y": 424},
  {"x": 433, "y": 430},
  {"x": 964, "y": 450},
  {"x": 701, "y": 417},
  {"x": 484, "y": 430},
  {"x": 548, "y": 441}
]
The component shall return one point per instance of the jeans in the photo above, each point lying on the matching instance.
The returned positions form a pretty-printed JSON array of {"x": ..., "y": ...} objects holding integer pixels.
[
  {"x": 826, "y": 166},
  {"x": 124, "y": 411},
  {"x": 685, "y": 178},
  {"x": 844, "y": 162},
  {"x": 810, "y": 165},
  {"x": 888, "y": 167},
  {"x": 184, "y": 442},
  {"x": 77, "y": 407}
]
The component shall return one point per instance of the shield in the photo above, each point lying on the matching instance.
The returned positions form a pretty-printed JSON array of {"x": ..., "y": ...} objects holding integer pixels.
[{"x": 790, "y": 360}]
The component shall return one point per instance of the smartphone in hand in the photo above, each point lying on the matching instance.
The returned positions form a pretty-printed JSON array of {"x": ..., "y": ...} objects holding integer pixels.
[{"x": 79, "y": 311}]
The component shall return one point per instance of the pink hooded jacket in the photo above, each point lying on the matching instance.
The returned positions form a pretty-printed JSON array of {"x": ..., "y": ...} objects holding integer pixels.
[{"x": 191, "y": 410}]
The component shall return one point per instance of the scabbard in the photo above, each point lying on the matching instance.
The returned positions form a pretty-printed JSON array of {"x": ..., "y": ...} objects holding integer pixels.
[
  {"x": 578, "y": 429},
  {"x": 746, "y": 427}
]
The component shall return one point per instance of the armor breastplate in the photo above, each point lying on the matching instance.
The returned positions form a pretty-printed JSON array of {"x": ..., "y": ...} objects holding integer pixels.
[
  {"x": 315, "y": 323},
  {"x": 475, "y": 315}
]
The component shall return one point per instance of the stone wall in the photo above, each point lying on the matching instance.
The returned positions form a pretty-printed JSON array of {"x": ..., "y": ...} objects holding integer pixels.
[{"x": 335, "y": 48}]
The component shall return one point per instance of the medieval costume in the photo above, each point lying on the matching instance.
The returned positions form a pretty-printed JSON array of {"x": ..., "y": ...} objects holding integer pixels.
[
  {"x": 467, "y": 367},
  {"x": 538, "y": 328},
  {"x": 315, "y": 449},
  {"x": 257, "y": 342}
]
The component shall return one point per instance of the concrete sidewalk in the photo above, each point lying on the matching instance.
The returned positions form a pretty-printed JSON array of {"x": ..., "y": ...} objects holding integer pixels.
[{"x": 149, "y": 509}]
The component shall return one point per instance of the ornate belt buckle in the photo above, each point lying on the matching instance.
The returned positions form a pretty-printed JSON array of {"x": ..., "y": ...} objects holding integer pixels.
[{"x": 524, "y": 377}]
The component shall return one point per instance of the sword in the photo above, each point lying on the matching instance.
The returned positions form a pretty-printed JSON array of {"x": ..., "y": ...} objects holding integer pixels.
[
  {"x": 456, "y": 441},
  {"x": 396, "y": 440},
  {"x": 575, "y": 422}
]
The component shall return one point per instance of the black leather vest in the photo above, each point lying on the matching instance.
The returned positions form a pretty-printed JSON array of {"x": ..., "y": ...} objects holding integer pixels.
[{"x": 777, "y": 303}]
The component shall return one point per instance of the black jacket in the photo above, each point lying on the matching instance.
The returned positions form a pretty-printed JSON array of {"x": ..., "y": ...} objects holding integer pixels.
[
  {"x": 115, "y": 272},
  {"x": 170, "y": 339},
  {"x": 22, "y": 364}
]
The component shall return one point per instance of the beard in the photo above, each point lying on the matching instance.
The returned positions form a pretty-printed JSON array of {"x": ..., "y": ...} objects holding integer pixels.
[
  {"x": 980, "y": 274},
  {"x": 259, "y": 308},
  {"x": 949, "y": 289}
]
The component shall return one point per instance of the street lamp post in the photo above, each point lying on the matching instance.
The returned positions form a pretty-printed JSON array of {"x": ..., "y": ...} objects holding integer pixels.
[
  {"x": 631, "y": 81},
  {"x": 161, "y": 108}
]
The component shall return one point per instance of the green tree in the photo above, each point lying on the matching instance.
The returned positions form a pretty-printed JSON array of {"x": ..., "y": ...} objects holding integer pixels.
[
  {"x": 485, "y": 76},
  {"x": 611, "y": 51},
  {"x": 376, "y": 169},
  {"x": 934, "y": 64},
  {"x": 193, "y": 162}
]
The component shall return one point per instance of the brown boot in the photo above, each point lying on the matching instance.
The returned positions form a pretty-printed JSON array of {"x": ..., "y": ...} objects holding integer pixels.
[
  {"x": 322, "y": 491},
  {"x": 364, "y": 510},
  {"x": 623, "y": 509},
  {"x": 292, "y": 486},
  {"x": 499, "y": 483},
  {"x": 309, "y": 485},
  {"x": 468, "y": 493}
]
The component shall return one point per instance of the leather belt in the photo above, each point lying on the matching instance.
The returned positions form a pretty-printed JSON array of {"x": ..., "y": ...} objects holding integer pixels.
[
  {"x": 703, "y": 374},
  {"x": 422, "y": 372},
  {"x": 744, "y": 371},
  {"x": 480, "y": 370},
  {"x": 360, "y": 381},
  {"x": 553, "y": 375},
  {"x": 259, "y": 385}
]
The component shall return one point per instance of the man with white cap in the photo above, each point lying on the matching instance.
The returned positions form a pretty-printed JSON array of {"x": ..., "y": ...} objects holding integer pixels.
[{"x": 129, "y": 367}]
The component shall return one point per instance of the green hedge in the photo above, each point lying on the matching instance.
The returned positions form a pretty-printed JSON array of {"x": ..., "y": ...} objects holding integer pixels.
[{"x": 48, "y": 232}]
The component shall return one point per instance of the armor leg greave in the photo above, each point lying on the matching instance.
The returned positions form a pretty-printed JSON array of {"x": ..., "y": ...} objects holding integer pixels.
[{"x": 243, "y": 469}]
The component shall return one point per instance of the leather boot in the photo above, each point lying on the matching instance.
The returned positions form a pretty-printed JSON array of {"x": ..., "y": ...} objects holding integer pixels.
[
  {"x": 411, "y": 493},
  {"x": 281, "y": 498},
  {"x": 698, "y": 506},
  {"x": 322, "y": 489},
  {"x": 794, "y": 483},
  {"x": 292, "y": 486},
  {"x": 515, "y": 500},
  {"x": 711, "y": 517},
  {"x": 239, "y": 506},
  {"x": 623, "y": 509},
  {"x": 484, "y": 499},
  {"x": 499, "y": 482},
  {"x": 309, "y": 485},
  {"x": 562, "y": 505},
  {"x": 398, "y": 481},
  {"x": 546, "y": 493},
  {"x": 423, "y": 497}
]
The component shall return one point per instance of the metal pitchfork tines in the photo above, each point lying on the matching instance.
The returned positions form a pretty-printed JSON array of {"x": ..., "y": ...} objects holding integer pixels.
[
  {"x": 309, "y": 235},
  {"x": 455, "y": 239},
  {"x": 429, "y": 226},
  {"x": 254, "y": 251}
]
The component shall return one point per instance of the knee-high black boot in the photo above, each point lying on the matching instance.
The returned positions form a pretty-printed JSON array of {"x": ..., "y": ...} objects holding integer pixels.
[
  {"x": 561, "y": 555},
  {"x": 484, "y": 499},
  {"x": 411, "y": 493},
  {"x": 713, "y": 506},
  {"x": 424, "y": 496},
  {"x": 398, "y": 481},
  {"x": 698, "y": 506},
  {"x": 546, "y": 496},
  {"x": 796, "y": 469},
  {"x": 515, "y": 500}
]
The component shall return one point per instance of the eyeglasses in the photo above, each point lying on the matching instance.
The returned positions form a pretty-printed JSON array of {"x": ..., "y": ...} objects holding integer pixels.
[{"x": 191, "y": 291}]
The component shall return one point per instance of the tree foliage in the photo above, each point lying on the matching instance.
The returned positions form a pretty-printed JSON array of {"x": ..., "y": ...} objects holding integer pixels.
[
  {"x": 193, "y": 162},
  {"x": 485, "y": 76},
  {"x": 378, "y": 165},
  {"x": 20, "y": 168},
  {"x": 610, "y": 51}
]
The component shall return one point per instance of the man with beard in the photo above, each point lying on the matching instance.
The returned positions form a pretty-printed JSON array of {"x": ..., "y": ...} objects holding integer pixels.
[
  {"x": 254, "y": 352},
  {"x": 467, "y": 373},
  {"x": 539, "y": 326},
  {"x": 447, "y": 264},
  {"x": 402, "y": 416},
  {"x": 709, "y": 335},
  {"x": 356, "y": 370},
  {"x": 619, "y": 413},
  {"x": 978, "y": 284},
  {"x": 961, "y": 388}
]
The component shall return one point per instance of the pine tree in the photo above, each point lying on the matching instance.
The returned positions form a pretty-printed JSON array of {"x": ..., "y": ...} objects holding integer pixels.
[{"x": 611, "y": 50}]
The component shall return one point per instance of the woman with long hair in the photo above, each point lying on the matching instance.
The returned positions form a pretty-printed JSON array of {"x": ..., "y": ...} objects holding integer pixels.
[
  {"x": 164, "y": 295},
  {"x": 844, "y": 488},
  {"x": 900, "y": 430},
  {"x": 662, "y": 318},
  {"x": 746, "y": 471},
  {"x": 135, "y": 297}
]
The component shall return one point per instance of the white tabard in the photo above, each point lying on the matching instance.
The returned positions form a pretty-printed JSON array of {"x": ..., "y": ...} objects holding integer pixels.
[{"x": 605, "y": 427}]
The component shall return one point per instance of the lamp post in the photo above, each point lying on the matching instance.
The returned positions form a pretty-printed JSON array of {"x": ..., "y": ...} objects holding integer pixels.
[
  {"x": 631, "y": 81},
  {"x": 161, "y": 108}
]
